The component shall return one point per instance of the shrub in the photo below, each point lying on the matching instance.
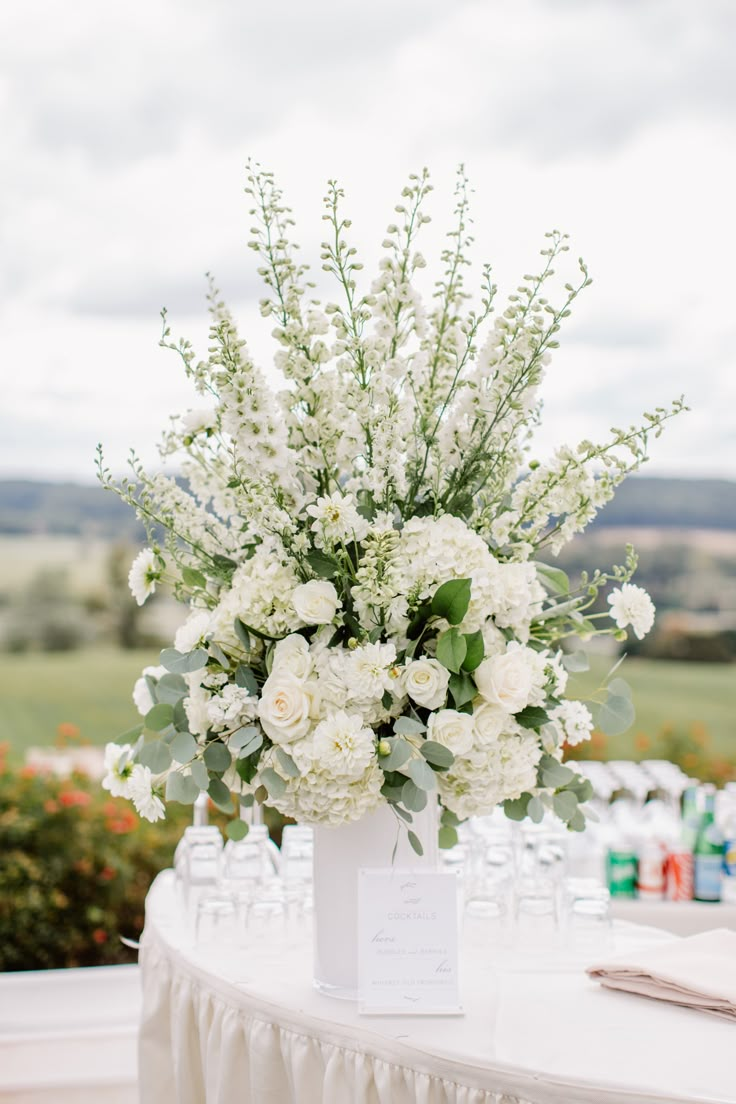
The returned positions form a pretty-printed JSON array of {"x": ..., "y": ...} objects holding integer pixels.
[
  {"x": 688, "y": 747},
  {"x": 75, "y": 867}
]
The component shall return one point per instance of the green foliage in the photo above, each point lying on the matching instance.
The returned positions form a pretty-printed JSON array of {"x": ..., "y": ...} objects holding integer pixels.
[
  {"x": 75, "y": 867},
  {"x": 451, "y": 600}
]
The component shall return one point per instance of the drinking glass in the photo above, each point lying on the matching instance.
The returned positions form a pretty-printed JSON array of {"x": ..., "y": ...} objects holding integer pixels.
[
  {"x": 587, "y": 915},
  {"x": 216, "y": 922}
]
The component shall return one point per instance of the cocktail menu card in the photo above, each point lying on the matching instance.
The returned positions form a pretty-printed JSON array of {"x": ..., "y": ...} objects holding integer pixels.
[{"x": 408, "y": 942}]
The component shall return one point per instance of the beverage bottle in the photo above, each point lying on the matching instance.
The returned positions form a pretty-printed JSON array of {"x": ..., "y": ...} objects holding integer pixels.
[
  {"x": 729, "y": 846},
  {"x": 691, "y": 813},
  {"x": 708, "y": 850}
]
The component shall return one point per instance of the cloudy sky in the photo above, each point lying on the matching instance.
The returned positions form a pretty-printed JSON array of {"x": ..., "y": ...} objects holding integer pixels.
[{"x": 126, "y": 127}]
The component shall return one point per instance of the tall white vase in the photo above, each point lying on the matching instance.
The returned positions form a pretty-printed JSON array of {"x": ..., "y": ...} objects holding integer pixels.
[{"x": 339, "y": 853}]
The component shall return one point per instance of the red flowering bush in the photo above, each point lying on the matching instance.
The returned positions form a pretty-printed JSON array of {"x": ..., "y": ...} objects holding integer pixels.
[{"x": 75, "y": 867}]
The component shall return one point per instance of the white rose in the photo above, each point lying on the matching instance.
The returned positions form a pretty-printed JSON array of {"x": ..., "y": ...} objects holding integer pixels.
[
  {"x": 508, "y": 679},
  {"x": 451, "y": 729},
  {"x": 291, "y": 655},
  {"x": 284, "y": 708},
  {"x": 425, "y": 681},
  {"x": 316, "y": 602},
  {"x": 488, "y": 723}
]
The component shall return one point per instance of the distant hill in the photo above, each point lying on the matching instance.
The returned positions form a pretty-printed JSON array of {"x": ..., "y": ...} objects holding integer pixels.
[{"x": 28, "y": 506}]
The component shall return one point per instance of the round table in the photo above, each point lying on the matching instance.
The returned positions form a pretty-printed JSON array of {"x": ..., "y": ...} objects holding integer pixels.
[{"x": 245, "y": 1026}]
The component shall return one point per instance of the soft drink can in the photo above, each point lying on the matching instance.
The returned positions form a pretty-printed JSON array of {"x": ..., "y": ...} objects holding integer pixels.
[
  {"x": 680, "y": 875},
  {"x": 651, "y": 879},
  {"x": 621, "y": 869}
]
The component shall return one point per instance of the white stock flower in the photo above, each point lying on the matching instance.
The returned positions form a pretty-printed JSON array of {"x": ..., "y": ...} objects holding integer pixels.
[
  {"x": 342, "y": 745},
  {"x": 144, "y": 573},
  {"x": 292, "y": 656},
  {"x": 451, "y": 729},
  {"x": 140, "y": 792},
  {"x": 508, "y": 679},
  {"x": 233, "y": 706},
  {"x": 575, "y": 721},
  {"x": 284, "y": 708},
  {"x": 195, "y": 705},
  {"x": 426, "y": 681},
  {"x": 316, "y": 602},
  {"x": 631, "y": 605},
  {"x": 119, "y": 766}
]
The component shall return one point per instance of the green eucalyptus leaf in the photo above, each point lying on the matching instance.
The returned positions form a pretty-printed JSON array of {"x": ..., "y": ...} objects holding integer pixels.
[
  {"x": 183, "y": 748},
  {"x": 412, "y": 797},
  {"x": 535, "y": 810},
  {"x": 447, "y": 837},
  {"x": 422, "y": 774},
  {"x": 242, "y": 634},
  {"x": 451, "y": 600},
  {"x": 565, "y": 805},
  {"x": 287, "y": 764},
  {"x": 400, "y": 752},
  {"x": 552, "y": 773},
  {"x": 614, "y": 716},
  {"x": 221, "y": 795},
  {"x": 180, "y": 787},
  {"x": 620, "y": 688},
  {"x": 242, "y": 736},
  {"x": 273, "y": 782},
  {"x": 160, "y": 717},
  {"x": 576, "y": 823},
  {"x": 576, "y": 662},
  {"x": 437, "y": 754},
  {"x": 245, "y": 678},
  {"x": 156, "y": 756},
  {"x": 236, "y": 830},
  {"x": 181, "y": 721},
  {"x": 515, "y": 809},
  {"x": 217, "y": 653},
  {"x": 131, "y": 735},
  {"x": 171, "y": 688},
  {"x": 416, "y": 843},
  {"x": 408, "y": 726},
  {"x": 217, "y": 757},
  {"x": 452, "y": 649},
  {"x": 183, "y": 663},
  {"x": 200, "y": 774},
  {"x": 402, "y": 813},
  {"x": 252, "y": 747}
]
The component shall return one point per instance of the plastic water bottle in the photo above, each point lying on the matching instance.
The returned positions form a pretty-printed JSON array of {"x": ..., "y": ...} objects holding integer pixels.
[{"x": 729, "y": 845}]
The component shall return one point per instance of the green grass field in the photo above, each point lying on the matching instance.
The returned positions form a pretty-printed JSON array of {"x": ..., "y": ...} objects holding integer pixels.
[{"x": 91, "y": 689}]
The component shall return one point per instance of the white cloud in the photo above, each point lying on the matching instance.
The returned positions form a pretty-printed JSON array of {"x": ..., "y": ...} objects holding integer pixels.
[{"x": 126, "y": 129}]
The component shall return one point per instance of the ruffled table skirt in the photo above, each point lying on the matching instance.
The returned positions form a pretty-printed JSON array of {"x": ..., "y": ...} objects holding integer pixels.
[{"x": 246, "y": 1027}]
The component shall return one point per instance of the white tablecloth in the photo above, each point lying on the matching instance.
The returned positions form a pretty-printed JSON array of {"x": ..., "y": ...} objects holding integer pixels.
[{"x": 246, "y": 1027}]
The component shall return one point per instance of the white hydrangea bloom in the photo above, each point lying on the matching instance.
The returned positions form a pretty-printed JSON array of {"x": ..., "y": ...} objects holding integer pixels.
[{"x": 234, "y": 706}]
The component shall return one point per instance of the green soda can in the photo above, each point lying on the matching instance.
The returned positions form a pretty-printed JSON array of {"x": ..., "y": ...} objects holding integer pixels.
[{"x": 621, "y": 869}]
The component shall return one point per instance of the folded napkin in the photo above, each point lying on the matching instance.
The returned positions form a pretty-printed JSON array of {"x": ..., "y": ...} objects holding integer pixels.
[{"x": 696, "y": 972}]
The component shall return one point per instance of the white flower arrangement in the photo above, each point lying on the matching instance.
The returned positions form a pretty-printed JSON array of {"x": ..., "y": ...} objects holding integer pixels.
[{"x": 372, "y": 620}]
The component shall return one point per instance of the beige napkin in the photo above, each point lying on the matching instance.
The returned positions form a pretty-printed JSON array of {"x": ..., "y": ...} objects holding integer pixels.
[{"x": 696, "y": 972}]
